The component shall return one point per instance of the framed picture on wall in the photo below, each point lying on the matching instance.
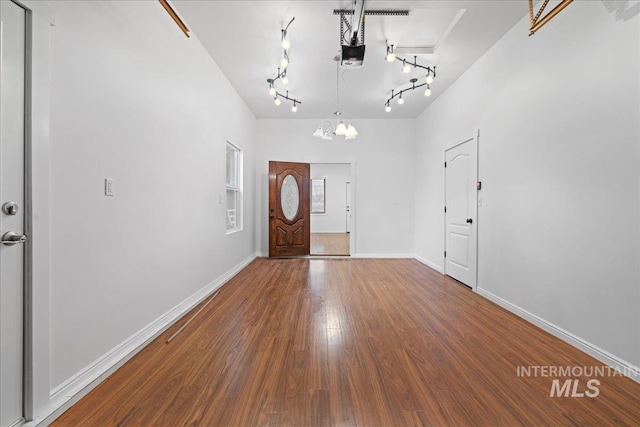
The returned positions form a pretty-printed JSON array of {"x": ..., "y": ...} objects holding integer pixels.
[{"x": 318, "y": 199}]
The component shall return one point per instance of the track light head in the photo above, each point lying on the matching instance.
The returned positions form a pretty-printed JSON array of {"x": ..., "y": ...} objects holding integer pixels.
[{"x": 391, "y": 55}]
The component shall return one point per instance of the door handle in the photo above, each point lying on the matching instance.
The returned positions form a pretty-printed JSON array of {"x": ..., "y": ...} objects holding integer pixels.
[
  {"x": 12, "y": 238},
  {"x": 469, "y": 221}
]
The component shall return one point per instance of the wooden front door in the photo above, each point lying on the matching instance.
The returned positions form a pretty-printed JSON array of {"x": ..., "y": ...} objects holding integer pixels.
[{"x": 289, "y": 209}]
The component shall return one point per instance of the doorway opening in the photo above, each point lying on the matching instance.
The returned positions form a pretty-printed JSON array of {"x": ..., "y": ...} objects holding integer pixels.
[{"x": 331, "y": 209}]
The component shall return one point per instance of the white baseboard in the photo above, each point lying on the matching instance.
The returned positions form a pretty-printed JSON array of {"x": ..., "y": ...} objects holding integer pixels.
[
  {"x": 430, "y": 264},
  {"x": 604, "y": 356},
  {"x": 382, "y": 256},
  {"x": 72, "y": 390}
]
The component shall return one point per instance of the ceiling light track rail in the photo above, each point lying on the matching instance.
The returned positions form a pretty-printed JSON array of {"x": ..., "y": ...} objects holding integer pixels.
[
  {"x": 398, "y": 94},
  {"x": 431, "y": 71}
]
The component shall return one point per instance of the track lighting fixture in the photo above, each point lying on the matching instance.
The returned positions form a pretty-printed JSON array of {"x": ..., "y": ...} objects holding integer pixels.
[
  {"x": 282, "y": 73},
  {"x": 277, "y": 95},
  {"x": 394, "y": 94},
  {"x": 407, "y": 67}
]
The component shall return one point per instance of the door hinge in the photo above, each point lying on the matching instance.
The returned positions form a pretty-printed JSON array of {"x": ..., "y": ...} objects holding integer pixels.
[
  {"x": 445, "y": 209},
  {"x": 445, "y": 164},
  {"x": 445, "y": 254}
]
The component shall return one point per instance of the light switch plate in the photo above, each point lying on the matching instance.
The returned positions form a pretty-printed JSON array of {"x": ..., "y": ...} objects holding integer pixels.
[{"x": 108, "y": 187}]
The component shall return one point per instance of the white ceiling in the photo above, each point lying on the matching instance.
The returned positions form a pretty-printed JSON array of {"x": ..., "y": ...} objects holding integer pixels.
[{"x": 243, "y": 37}]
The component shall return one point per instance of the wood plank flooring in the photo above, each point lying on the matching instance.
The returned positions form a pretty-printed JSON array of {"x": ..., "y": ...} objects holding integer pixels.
[
  {"x": 330, "y": 244},
  {"x": 316, "y": 342}
]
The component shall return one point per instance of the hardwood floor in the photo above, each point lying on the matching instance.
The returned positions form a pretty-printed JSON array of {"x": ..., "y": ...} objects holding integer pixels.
[
  {"x": 316, "y": 342},
  {"x": 330, "y": 244}
]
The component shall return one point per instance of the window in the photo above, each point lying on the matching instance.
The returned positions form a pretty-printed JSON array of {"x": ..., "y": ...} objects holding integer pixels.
[{"x": 234, "y": 188}]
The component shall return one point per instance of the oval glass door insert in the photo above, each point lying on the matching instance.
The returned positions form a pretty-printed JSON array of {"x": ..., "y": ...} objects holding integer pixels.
[{"x": 289, "y": 197}]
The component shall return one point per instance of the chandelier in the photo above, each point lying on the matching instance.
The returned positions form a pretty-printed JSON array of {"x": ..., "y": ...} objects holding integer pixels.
[{"x": 327, "y": 130}]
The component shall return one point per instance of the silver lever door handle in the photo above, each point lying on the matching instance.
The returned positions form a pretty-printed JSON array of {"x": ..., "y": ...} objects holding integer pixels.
[{"x": 12, "y": 238}]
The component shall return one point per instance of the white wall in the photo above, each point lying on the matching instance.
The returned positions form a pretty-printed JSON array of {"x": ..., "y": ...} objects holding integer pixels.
[
  {"x": 559, "y": 164},
  {"x": 134, "y": 100},
  {"x": 383, "y": 186},
  {"x": 334, "y": 220}
]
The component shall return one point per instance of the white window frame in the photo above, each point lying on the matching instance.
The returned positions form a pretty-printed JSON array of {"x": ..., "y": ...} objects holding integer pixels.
[{"x": 234, "y": 215}]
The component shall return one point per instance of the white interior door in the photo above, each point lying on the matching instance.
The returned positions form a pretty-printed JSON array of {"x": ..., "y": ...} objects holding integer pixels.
[
  {"x": 461, "y": 176},
  {"x": 12, "y": 143},
  {"x": 348, "y": 213}
]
